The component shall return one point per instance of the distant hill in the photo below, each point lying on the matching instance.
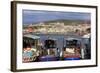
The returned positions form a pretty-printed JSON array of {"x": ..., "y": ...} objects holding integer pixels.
[{"x": 68, "y": 22}]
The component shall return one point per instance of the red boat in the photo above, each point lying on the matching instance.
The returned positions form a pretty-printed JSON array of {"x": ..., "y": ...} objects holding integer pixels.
[{"x": 72, "y": 50}]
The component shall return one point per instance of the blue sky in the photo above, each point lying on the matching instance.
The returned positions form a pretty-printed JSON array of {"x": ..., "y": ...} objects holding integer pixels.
[{"x": 34, "y": 16}]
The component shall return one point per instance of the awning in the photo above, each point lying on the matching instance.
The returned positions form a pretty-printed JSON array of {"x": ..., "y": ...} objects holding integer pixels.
[{"x": 32, "y": 36}]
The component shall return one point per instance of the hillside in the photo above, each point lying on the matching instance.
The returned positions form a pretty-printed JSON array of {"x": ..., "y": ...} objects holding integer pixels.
[{"x": 68, "y": 22}]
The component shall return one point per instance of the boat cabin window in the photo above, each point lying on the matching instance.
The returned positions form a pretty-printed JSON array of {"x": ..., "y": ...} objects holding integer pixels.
[
  {"x": 28, "y": 42},
  {"x": 50, "y": 44},
  {"x": 71, "y": 43}
]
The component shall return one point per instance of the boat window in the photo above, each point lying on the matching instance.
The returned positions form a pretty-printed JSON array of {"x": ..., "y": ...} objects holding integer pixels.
[
  {"x": 50, "y": 44},
  {"x": 28, "y": 41}
]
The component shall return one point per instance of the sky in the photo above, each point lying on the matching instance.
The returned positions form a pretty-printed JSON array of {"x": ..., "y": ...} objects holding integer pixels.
[{"x": 35, "y": 16}]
